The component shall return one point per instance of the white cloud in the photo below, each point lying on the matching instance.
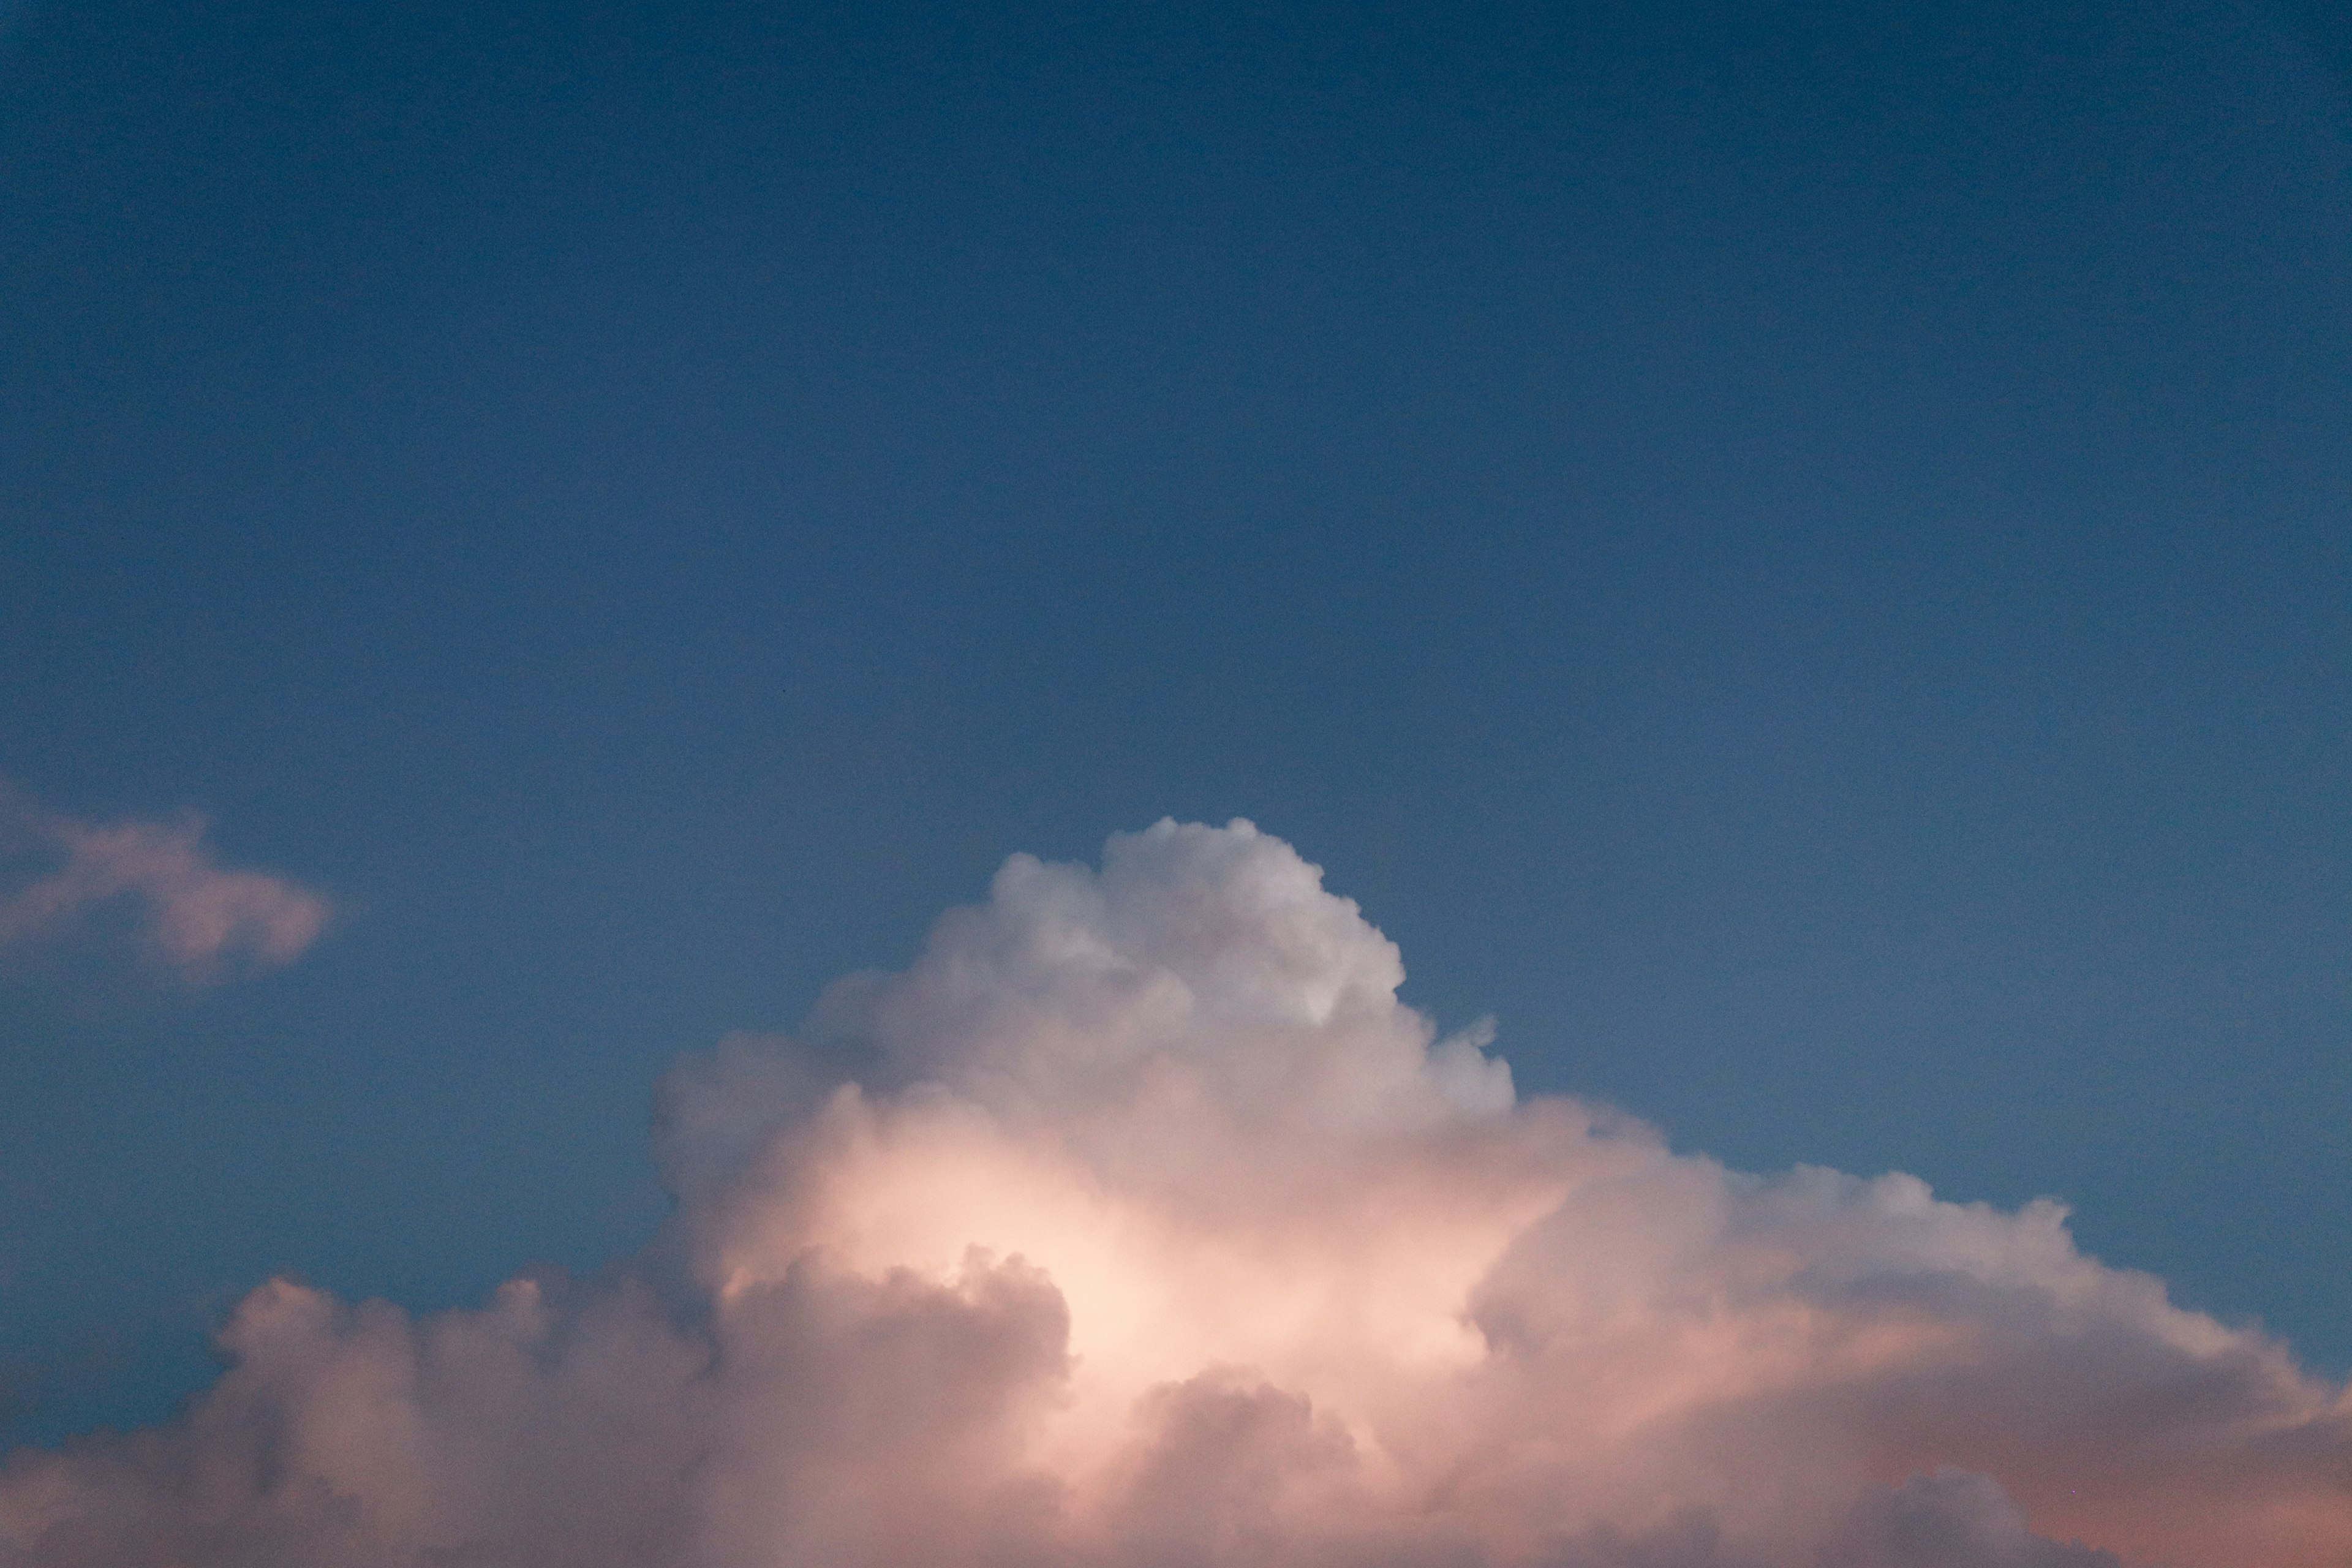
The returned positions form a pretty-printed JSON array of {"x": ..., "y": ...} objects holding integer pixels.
[{"x": 1165, "y": 1236}]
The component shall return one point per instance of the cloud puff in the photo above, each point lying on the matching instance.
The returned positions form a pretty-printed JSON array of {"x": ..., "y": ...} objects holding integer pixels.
[
  {"x": 202, "y": 918},
  {"x": 1162, "y": 1235},
  {"x": 1949, "y": 1519}
]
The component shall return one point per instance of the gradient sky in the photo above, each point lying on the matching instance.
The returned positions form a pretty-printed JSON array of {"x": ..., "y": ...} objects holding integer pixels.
[{"x": 1797, "y": 555}]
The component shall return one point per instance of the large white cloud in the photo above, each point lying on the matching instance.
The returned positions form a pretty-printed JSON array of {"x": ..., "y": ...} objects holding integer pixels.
[{"x": 1163, "y": 1235}]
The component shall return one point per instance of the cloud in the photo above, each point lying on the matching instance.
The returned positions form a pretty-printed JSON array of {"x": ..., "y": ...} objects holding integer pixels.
[
  {"x": 1949, "y": 1519},
  {"x": 203, "y": 919},
  {"x": 1162, "y": 1235}
]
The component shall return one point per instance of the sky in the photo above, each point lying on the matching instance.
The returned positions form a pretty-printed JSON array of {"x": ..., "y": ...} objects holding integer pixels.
[{"x": 1792, "y": 556}]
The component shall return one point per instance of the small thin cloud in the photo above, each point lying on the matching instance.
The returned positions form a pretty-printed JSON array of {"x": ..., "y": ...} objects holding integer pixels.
[{"x": 206, "y": 921}]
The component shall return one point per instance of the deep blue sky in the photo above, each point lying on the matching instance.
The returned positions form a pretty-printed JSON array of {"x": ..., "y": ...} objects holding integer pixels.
[{"x": 1801, "y": 555}]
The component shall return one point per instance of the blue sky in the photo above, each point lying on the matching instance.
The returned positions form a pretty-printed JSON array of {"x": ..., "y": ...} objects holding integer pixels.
[{"x": 1795, "y": 555}]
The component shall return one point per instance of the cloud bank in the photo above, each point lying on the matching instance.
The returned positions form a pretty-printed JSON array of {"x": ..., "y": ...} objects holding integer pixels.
[
  {"x": 1164, "y": 1236},
  {"x": 203, "y": 919}
]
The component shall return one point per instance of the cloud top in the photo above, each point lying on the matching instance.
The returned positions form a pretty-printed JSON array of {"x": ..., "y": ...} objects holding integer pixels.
[
  {"x": 1163, "y": 1235},
  {"x": 203, "y": 919}
]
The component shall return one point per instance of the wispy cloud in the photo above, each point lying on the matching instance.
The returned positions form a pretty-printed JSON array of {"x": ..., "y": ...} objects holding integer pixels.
[
  {"x": 1165, "y": 1237},
  {"x": 205, "y": 920}
]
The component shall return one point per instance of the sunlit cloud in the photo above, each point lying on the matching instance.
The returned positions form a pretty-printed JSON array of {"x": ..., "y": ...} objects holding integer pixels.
[{"x": 1163, "y": 1234}]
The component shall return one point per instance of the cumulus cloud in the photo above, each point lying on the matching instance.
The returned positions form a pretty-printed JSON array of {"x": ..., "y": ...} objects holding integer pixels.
[
  {"x": 1162, "y": 1235},
  {"x": 202, "y": 918}
]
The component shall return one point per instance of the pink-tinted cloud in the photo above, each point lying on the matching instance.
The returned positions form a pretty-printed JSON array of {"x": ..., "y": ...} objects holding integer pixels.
[
  {"x": 202, "y": 918},
  {"x": 1166, "y": 1237}
]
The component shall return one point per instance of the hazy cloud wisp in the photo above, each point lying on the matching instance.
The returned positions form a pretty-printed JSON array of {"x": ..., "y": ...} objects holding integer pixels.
[
  {"x": 205, "y": 920},
  {"x": 1165, "y": 1235}
]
